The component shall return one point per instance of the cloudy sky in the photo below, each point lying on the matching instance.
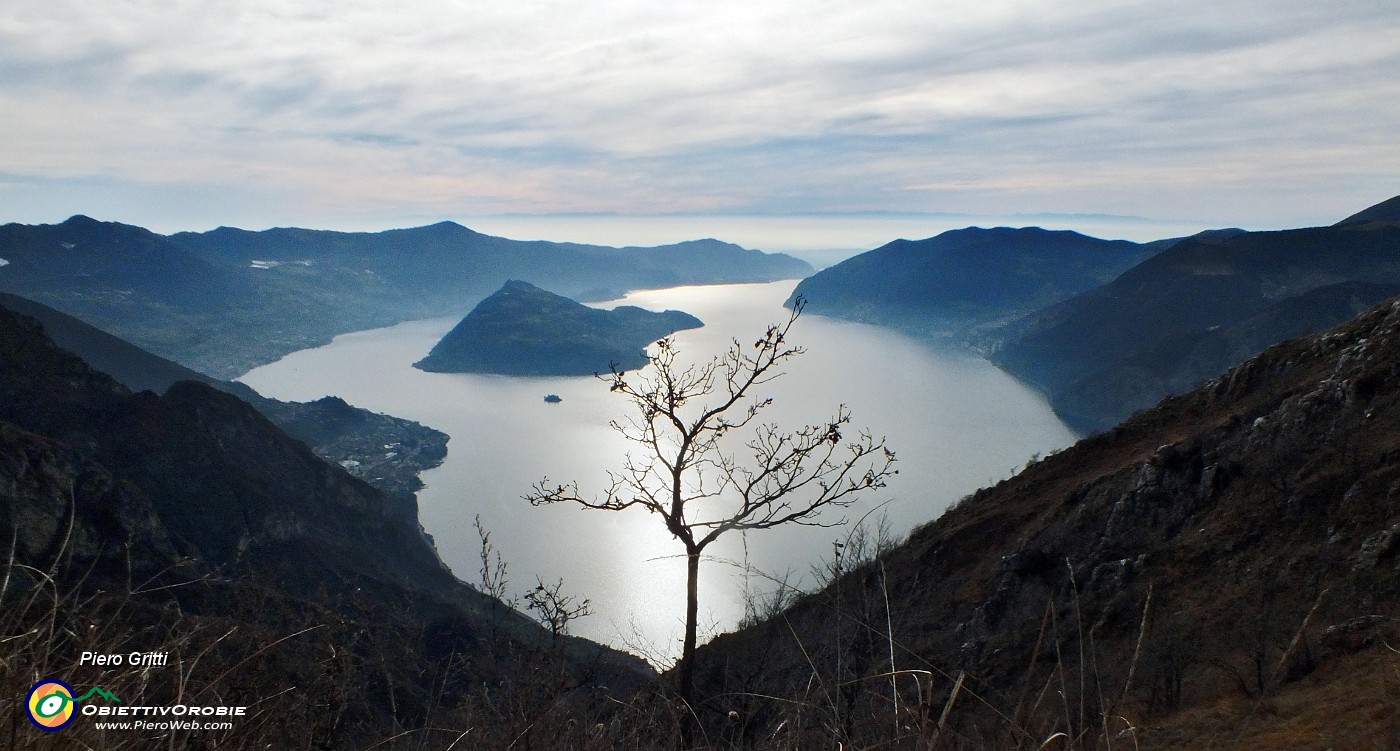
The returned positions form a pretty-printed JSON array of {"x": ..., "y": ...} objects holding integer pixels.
[{"x": 188, "y": 114}]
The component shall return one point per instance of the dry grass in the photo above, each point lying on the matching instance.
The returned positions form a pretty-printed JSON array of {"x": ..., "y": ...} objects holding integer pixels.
[
  {"x": 311, "y": 677},
  {"x": 314, "y": 678}
]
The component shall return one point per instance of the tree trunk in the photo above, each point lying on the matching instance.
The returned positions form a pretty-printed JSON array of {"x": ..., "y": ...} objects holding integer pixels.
[{"x": 686, "y": 689}]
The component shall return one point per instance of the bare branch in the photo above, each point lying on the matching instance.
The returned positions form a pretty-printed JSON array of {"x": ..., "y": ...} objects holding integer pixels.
[
  {"x": 554, "y": 608},
  {"x": 701, "y": 489}
]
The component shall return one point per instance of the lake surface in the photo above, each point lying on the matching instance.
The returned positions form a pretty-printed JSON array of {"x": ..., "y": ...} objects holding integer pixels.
[{"x": 955, "y": 421}]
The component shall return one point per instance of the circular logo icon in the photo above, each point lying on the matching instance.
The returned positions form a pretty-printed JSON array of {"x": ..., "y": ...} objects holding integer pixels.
[{"x": 50, "y": 704}]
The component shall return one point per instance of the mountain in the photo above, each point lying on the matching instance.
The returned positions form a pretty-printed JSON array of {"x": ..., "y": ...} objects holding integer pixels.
[
  {"x": 227, "y": 300},
  {"x": 229, "y": 487},
  {"x": 131, "y": 281},
  {"x": 130, "y": 365},
  {"x": 189, "y": 524},
  {"x": 449, "y": 259},
  {"x": 524, "y": 330},
  {"x": 1196, "y": 308},
  {"x": 1217, "y": 572},
  {"x": 965, "y": 279},
  {"x": 1177, "y": 363},
  {"x": 354, "y": 438},
  {"x": 1385, "y": 211}
]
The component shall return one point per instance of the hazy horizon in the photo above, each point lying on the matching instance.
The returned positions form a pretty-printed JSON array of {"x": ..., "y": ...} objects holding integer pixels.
[
  {"x": 1252, "y": 113},
  {"x": 821, "y": 239}
]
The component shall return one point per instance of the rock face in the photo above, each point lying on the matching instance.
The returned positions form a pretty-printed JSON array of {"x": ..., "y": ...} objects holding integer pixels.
[
  {"x": 964, "y": 280},
  {"x": 1198, "y": 307},
  {"x": 524, "y": 330},
  {"x": 1234, "y": 545}
]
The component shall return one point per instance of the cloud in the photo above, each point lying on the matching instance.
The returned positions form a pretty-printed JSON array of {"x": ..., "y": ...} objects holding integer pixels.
[{"x": 462, "y": 107}]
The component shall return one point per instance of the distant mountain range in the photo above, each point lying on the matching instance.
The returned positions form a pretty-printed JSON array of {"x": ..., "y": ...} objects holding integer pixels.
[
  {"x": 226, "y": 300},
  {"x": 523, "y": 330}
]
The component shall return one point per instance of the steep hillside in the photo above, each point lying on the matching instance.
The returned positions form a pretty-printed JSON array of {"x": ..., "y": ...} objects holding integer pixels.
[
  {"x": 1179, "y": 362},
  {"x": 224, "y": 301},
  {"x": 524, "y": 330},
  {"x": 188, "y": 523},
  {"x": 1201, "y": 305},
  {"x": 966, "y": 278},
  {"x": 1218, "y": 572},
  {"x": 230, "y": 488},
  {"x": 339, "y": 433}
]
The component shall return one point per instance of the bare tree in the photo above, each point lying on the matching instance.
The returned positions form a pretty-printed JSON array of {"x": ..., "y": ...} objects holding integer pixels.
[
  {"x": 493, "y": 568},
  {"x": 554, "y": 608},
  {"x": 686, "y": 419}
]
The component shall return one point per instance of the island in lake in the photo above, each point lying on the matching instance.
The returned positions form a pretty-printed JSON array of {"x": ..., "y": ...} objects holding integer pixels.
[{"x": 524, "y": 330}]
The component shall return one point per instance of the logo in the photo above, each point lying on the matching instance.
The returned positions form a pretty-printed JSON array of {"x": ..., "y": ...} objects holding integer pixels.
[{"x": 51, "y": 703}]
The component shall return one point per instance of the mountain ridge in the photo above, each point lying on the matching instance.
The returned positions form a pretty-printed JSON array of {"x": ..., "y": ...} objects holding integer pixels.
[
  {"x": 224, "y": 301},
  {"x": 1385, "y": 211},
  {"x": 961, "y": 281},
  {"x": 1082, "y": 352}
]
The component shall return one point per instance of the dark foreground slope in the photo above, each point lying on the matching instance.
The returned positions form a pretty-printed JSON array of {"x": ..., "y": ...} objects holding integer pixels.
[
  {"x": 353, "y": 438},
  {"x": 225, "y": 301},
  {"x": 524, "y": 330},
  {"x": 189, "y": 524},
  {"x": 1197, "y": 308},
  {"x": 1221, "y": 571},
  {"x": 965, "y": 279}
]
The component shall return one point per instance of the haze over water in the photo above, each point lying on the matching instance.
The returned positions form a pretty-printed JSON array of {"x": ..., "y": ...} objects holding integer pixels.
[{"x": 955, "y": 422}]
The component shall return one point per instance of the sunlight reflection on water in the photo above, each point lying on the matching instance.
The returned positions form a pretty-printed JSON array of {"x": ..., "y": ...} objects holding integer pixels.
[{"x": 955, "y": 421}]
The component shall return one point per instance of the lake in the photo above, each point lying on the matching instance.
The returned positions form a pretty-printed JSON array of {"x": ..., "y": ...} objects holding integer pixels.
[{"x": 956, "y": 423}]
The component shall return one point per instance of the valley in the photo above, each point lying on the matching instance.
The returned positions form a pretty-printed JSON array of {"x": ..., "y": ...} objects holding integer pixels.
[
  {"x": 635, "y": 376},
  {"x": 1008, "y": 553},
  {"x": 956, "y": 423}
]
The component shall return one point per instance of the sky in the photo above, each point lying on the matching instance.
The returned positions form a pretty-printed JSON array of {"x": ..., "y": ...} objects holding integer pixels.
[{"x": 779, "y": 123}]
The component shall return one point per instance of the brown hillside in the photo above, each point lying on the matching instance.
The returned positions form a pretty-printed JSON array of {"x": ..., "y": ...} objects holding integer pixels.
[{"x": 1219, "y": 572}]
